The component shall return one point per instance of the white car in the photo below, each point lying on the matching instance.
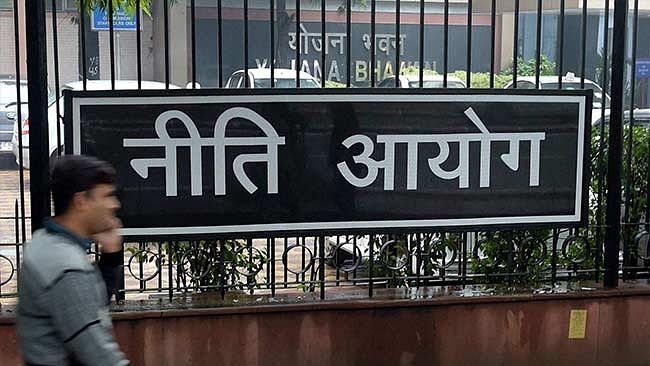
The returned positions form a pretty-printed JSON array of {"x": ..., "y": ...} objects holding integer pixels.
[
  {"x": 428, "y": 81},
  {"x": 261, "y": 78},
  {"x": 53, "y": 117},
  {"x": 569, "y": 82}
]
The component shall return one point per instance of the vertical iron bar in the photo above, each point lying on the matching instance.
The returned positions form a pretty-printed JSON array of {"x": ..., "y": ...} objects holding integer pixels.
[
  {"x": 421, "y": 59},
  {"x": 321, "y": 273},
  {"x": 601, "y": 145},
  {"x": 606, "y": 75},
  {"x": 55, "y": 49},
  {"x": 159, "y": 264},
  {"x": 220, "y": 43},
  {"x": 635, "y": 29},
  {"x": 193, "y": 45},
  {"x": 493, "y": 28},
  {"x": 556, "y": 239},
  {"x": 143, "y": 284},
  {"x": 583, "y": 45},
  {"x": 348, "y": 41},
  {"x": 247, "y": 81},
  {"x": 463, "y": 260},
  {"x": 560, "y": 63},
  {"x": 304, "y": 262},
  {"x": 286, "y": 270},
  {"x": 468, "y": 63},
  {"x": 268, "y": 264},
  {"x": 373, "y": 56},
  {"x": 511, "y": 252},
  {"x": 37, "y": 96},
  {"x": 323, "y": 14},
  {"x": 442, "y": 272},
  {"x": 272, "y": 21},
  {"x": 249, "y": 246},
  {"x": 647, "y": 191},
  {"x": 16, "y": 221},
  {"x": 138, "y": 47},
  {"x": 397, "y": 40},
  {"x": 355, "y": 246},
  {"x": 445, "y": 45},
  {"x": 17, "y": 243},
  {"x": 170, "y": 274},
  {"x": 298, "y": 45},
  {"x": 120, "y": 294},
  {"x": 111, "y": 38},
  {"x": 335, "y": 260},
  {"x": 82, "y": 25},
  {"x": 222, "y": 268},
  {"x": 418, "y": 257},
  {"x": 515, "y": 49},
  {"x": 538, "y": 42},
  {"x": 613, "y": 212},
  {"x": 166, "y": 41},
  {"x": 371, "y": 264},
  {"x": 19, "y": 119},
  {"x": 271, "y": 250}
]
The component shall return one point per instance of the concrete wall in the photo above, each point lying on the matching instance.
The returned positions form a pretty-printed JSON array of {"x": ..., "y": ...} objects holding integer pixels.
[
  {"x": 68, "y": 49},
  {"x": 8, "y": 42},
  {"x": 126, "y": 58},
  {"x": 528, "y": 330}
]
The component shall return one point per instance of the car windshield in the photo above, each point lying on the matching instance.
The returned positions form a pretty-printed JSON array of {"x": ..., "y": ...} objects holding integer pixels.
[
  {"x": 8, "y": 92},
  {"x": 285, "y": 83},
  {"x": 598, "y": 92},
  {"x": 435, "y": 84}
]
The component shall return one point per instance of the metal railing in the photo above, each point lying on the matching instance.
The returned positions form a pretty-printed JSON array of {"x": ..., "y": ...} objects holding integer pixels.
[{"x": 359, "y": 43}]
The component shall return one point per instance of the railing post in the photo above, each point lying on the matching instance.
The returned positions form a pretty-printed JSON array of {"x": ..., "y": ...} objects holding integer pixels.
[
  {"x": 613, "y": 214},
  {"x": 38, "y": 131}
]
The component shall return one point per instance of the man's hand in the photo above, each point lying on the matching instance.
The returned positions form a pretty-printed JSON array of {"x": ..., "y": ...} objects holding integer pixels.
[{"x": 110, "y": 241}]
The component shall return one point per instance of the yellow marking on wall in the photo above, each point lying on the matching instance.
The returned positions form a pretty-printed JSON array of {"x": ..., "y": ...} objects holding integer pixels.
[{"x": 577, "y": 324}]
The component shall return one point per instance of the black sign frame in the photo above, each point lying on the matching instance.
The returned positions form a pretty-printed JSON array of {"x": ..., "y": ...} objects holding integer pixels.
[{"x": 117, "y": 100}]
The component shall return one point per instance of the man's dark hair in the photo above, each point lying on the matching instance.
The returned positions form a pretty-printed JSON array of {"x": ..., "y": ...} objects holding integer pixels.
[{"x": 77, "y": 173}]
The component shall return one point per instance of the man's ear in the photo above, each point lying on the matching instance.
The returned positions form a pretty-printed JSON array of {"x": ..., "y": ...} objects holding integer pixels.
[{"x": 79, "y": 201}]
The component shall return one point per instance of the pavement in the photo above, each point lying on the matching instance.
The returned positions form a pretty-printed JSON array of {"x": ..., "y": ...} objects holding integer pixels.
[{"x": 10, "y": 199}]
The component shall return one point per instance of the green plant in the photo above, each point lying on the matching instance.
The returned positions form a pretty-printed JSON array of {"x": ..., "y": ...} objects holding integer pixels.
[
  {"x": 390, "y": 257},
  {"x": 634, "y": 180},
  {"x": 529, "y": 67},
  {"x": 482, "y": 79},
  {"x": 334, "y": 84},
  {"x": 397, "y": 258},
  {"x": 208, "y": 265},
  {"x": 415, "y": 70},
  {"x": 517, "y": 257}
]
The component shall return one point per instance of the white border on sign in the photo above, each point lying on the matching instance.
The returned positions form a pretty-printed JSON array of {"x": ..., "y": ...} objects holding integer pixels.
[
  {"x": 115, "y": 28},
  {"x": 341, "y": 225}
]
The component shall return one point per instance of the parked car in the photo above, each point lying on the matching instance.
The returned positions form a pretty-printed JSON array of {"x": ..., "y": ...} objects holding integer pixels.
[
  {"x": 569, "y": 82},
  {"x": 53, "y": 117},
  {"x": 9, "y": 107},
  {"x": 428, "y": 81},
  {"x": 641, "y": 118},
  {"x": 261, "y": 78}
]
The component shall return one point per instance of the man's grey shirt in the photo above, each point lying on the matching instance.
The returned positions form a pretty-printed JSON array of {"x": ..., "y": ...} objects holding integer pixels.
[{"x": 63, "y": 306}]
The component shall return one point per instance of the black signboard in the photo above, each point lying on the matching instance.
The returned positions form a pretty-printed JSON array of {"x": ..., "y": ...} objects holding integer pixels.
[{"x": 244, "y": 162}]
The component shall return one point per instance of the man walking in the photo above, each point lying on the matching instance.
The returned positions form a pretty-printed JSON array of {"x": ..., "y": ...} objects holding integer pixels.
[{"x": 63, "y": 302}]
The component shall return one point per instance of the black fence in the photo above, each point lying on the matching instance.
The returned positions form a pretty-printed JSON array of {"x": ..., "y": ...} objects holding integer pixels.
[{"x": 497, "y": 44}]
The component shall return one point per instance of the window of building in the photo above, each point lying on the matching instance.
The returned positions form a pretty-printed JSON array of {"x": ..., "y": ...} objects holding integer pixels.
[
  {"x": 6, "y": 4},
  {"x": 60, "y": 5}
]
